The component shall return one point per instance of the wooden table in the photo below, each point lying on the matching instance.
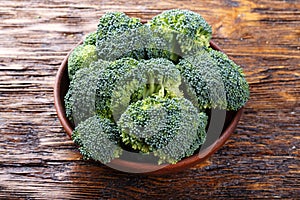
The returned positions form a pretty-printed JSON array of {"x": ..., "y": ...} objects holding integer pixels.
[{"x": 39, "y": 161}]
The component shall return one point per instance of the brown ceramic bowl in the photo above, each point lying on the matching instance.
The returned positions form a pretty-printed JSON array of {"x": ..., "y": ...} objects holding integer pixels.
[{"x": 60, "y": 89}]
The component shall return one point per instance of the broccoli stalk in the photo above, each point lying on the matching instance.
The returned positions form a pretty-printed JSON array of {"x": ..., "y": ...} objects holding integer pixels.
[
  {"x": 150, "y": 86},
  {"x": 175, "y": 47},
  {"x": 154, "y": 87}
]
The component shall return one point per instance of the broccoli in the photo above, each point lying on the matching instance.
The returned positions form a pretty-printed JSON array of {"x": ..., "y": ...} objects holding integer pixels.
[
  {"x": 80, "y": 100},
  {"x": 115, "y": 22},
  {"x": 93, "y": 88},
  {"x": 170, "y": 128},
  {"x": 151, "y": 77},
  {"x": 97, "y": 139},
  {"x": 107, "y": 81},
  {"x": 147, "y": 88},
  {"x": 81, "y": 57},
  {"x": 217, "y": 81},
  {"x": 114, "y": 30},
  {"x": 119, "y": 36},
  {"x": 183, "y": 30},
  {"x": 236, "y": 86},
  {"x": 203, "y": 78},
  {"x": 90, "y": 39}
]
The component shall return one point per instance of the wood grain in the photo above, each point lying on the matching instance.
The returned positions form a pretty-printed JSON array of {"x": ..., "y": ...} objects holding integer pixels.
[{"x": 261, "y": 160}]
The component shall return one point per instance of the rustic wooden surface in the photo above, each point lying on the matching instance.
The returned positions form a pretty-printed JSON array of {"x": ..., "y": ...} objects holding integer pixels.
[{"x": 261, "y": 159}]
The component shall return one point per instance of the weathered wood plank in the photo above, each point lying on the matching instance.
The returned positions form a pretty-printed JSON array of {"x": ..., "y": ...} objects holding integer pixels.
[{"x": 38, "y": 160}]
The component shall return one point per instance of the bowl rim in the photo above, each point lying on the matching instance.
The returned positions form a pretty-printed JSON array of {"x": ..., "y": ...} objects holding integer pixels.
[{"x": 163, "y": 169}]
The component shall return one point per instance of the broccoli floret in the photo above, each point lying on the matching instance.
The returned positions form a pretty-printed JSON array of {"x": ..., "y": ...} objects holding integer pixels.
[
  {"x": 204, "y": 80},
  {"x": 90, "y": 39},
  {"x": 107, "y": 81},
  {"x": 115, "y": 22},
  {"x": 151, "y": 77},
  {"x": 170, "y": 128},
  {"x": 130, "y": 43},
  {"x": 91, "y": 90},
  {"x": 80, "y": 100},
  {"x": 119, "y": 36},
  {"x": 82, "y": 56},
  {"x": 182, "y": 30},
  {"x": 236, "y": 86},
  {"x": 97, "y": 139}
]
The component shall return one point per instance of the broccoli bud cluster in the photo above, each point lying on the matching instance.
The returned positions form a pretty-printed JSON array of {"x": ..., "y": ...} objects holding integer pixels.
[{"x": 148, "y": 88}]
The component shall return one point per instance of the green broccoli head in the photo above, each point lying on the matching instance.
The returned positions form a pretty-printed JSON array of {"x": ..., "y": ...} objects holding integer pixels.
[
  {"x": 236, "y": 86},
  {"x": 90, "y": 39},
  {"x": 167, "y": 127},
  {"x": 97, "y": 139},
  {"x": 182, "y": 30},
  {"x": 119, "y": 36},
  {"x": 80, "y": 100},
  {"x": 82, "y": 56},
  {"x": 154, "y": 77},
  {"x": 204, "y": 81},
  {"x": 113, "y": 23},
  {"x": 91, "y": 89},
  {"x": 107, "y": 81}
]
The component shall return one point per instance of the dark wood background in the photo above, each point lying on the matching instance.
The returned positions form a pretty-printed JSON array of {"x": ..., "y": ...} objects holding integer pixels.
[{"x": 261, "y": 159}]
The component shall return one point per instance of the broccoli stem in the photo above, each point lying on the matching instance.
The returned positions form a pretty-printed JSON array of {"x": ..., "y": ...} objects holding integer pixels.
[
  {"x": 151, "y": 85},
  {"x": 154, "y": 87},
  {"x": 174, "y": 57},
  {"x": 161, "y": 91},
  {"x": 174, "y": 48}
]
